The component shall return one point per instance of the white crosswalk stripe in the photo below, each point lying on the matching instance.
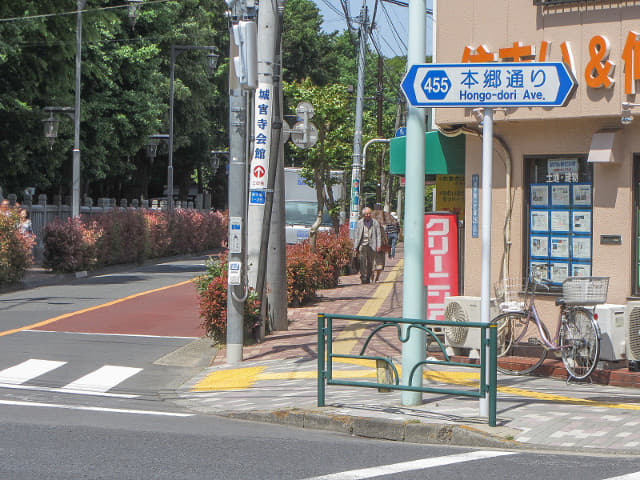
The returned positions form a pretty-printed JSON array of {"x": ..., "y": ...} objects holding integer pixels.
[
  {"x": 27, "y": 370},
  {"x": 98, "y": 382},
  {"x": 101, "y": 380},
  {"x": 421, "y": 464}
]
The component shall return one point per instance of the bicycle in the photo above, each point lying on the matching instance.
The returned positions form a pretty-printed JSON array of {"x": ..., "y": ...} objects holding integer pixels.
[{"x": 577, "y": 336}]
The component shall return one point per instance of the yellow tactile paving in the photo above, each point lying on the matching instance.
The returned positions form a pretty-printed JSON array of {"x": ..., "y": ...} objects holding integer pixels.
[{"x": 346, "y": 341}]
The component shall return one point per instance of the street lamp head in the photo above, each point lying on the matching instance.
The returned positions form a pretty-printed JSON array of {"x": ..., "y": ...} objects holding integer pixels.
[
  {"x": 134, "y": 11},
  {"x": 152, "y": 144},
  {"x": 51, "y": 129},
  {"x": 152, "y": 148},
  {"x": 212, "y": 61}
]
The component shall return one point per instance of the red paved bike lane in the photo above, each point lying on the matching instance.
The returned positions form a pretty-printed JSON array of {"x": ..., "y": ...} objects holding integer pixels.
[{"x": 168, "y": 312}]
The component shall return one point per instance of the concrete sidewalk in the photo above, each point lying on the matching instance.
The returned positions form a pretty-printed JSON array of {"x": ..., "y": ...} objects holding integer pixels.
[{"x": 276, "y": 383}]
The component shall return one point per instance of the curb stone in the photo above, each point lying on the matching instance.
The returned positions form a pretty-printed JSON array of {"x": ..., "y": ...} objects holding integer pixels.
[{"x": 383, "y": 429}]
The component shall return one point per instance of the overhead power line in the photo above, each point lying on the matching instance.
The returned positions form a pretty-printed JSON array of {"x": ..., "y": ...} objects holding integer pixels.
[
  {"x": 405, "y": 4},
  {"x": 73, "y": 12}
]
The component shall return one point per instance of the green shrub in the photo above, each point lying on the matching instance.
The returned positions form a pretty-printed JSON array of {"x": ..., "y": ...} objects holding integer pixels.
[
  {"x": 15, "y": 249},
  {"x": 70, "y": 246},
  {"x": 212, "y": 288},
  {"x": 304, "y": 273},
  {"x": 124, "y": 239},
  {"x": 128, "y": 236}
]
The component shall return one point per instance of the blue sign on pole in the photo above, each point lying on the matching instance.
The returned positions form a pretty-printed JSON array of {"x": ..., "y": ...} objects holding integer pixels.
[
  {"x": 547, "y": 84},
  {"x": 257, "y": 197}
]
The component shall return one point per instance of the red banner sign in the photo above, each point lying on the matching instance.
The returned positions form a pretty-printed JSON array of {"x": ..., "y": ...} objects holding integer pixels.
[{"x": 440, "y": 261}]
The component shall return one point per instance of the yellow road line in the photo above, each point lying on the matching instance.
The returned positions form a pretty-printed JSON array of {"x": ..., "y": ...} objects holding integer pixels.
[
  {"x": 90, "y": 309},
  {"x": 346, "y": 341}
]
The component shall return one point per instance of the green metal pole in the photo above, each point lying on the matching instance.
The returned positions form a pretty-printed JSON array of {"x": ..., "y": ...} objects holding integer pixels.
[
  {"x": 493, "y": 373},
  {"x": 413, "y": 292},
  {"x": 321, "y": 363}
]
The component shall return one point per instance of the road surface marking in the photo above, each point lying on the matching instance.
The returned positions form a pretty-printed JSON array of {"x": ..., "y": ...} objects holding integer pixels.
[
  {"x": 27, "y": 370},
  {"x": 101, "y": 380},
  {"x": 628, "y": 476},
  {"x": 90, "y": 309},
  {"x": 93, "y": 409},
  {"x": 62, "y": 390},
  {"x": 421, "y": 464},
  {"x": 346, "y": 341},
  {"x": 114, "y": 334}
]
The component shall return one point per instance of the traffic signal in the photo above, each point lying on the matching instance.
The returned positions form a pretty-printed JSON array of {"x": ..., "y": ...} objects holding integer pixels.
[{"x": 245, "y": 35}]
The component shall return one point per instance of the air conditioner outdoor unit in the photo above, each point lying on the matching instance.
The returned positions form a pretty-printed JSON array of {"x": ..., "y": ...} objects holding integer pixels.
[
  {"x": 632, "y": 323},
  {"x": 463, "y": 310},
  {"x": 612, "y": 332}
]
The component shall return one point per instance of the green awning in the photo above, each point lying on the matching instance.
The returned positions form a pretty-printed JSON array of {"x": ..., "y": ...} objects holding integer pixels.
[{"x": 443, "y": 155}]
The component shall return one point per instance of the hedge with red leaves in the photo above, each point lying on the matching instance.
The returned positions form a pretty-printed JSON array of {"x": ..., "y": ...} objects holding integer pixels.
[
  {"x": 127, "y": 236},
  {"x": 212, "y": 288},
  {"x": 15, "y": 248}
]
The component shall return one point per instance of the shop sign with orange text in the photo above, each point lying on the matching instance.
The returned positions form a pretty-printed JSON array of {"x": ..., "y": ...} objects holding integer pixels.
[{"x": 598, "y": 68}]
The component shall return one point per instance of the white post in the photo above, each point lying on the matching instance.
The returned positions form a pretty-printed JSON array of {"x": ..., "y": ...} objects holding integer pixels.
[{"x": 487, "y": 187}]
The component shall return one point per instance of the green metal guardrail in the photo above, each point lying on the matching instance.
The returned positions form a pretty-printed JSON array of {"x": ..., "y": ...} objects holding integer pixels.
[{"x": 326, "y": 357}]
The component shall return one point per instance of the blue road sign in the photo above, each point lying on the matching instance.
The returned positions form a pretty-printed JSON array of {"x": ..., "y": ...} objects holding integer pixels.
[
  {"x": 401, "y": 132},
  {"x": 257, "y": 197},
  {"x": 531, "y": 84}
]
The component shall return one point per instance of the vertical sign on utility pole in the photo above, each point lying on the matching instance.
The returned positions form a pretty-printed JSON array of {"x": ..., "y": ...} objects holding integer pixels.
[{"x": 261, "y": 153}]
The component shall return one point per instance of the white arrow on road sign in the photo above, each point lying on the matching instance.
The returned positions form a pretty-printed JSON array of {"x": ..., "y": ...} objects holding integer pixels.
[{"x": 488, "y": 85}]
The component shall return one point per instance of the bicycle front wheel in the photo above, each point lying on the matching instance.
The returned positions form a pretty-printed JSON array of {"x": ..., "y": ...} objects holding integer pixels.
[
  {"x": 580, "y": 343},
  {"x": 520, "y": 350}
]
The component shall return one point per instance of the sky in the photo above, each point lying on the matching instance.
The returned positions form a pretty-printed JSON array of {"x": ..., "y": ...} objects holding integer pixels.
[{"x": 391, "y": 31}]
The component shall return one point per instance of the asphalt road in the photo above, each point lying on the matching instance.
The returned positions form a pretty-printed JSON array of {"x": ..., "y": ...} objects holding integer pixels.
[
  {"x": 87, "y": 372},
  {"x": 53, "y": 443},
  {"x": 129, "y": 334}
]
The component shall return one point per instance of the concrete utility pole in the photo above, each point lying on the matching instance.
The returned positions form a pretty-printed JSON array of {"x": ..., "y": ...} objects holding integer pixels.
[
  {"x": 261, "y": 164},
  {"x": 276, "y": 280},
  {"x": 414, "y": 299},
  {"x": 237, "y": 287},
  {"x": 356, "y": 179}
]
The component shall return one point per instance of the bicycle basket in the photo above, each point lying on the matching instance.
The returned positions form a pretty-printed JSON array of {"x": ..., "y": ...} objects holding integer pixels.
[
  {"x": 510, "y": 295},
  {"x": 585, "y": 290}
]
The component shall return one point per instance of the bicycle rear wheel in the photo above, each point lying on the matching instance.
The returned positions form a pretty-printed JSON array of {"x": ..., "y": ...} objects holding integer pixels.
[
  {"x": 520, "y": 350},
  {"x": 580, "y": 343}
]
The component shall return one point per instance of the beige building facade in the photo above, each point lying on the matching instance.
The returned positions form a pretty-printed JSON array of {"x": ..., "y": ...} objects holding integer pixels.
[{"x": 571, "y": 174}]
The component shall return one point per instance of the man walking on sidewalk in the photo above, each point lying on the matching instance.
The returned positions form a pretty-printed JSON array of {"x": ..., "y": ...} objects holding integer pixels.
[{"x": 367, "y": 241}]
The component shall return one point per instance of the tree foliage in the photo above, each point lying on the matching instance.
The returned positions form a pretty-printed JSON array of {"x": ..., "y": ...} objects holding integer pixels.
[
  {"x": 125, "y": 93},
  {"x": 124, "y": 90}
]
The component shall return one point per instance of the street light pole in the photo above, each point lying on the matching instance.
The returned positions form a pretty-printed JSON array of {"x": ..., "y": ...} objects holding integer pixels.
[
  {"x": 175, "y": 49},
  {"x": 170, "y": 166},
  {"x": 75, "y": 182}
]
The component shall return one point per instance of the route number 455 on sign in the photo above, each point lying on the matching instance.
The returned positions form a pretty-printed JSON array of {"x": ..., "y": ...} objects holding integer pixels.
[{"x": 488, "y": 85}]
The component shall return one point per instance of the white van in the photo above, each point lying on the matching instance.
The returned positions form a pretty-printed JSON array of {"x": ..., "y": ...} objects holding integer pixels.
[{"x": 301, "y": 205}]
